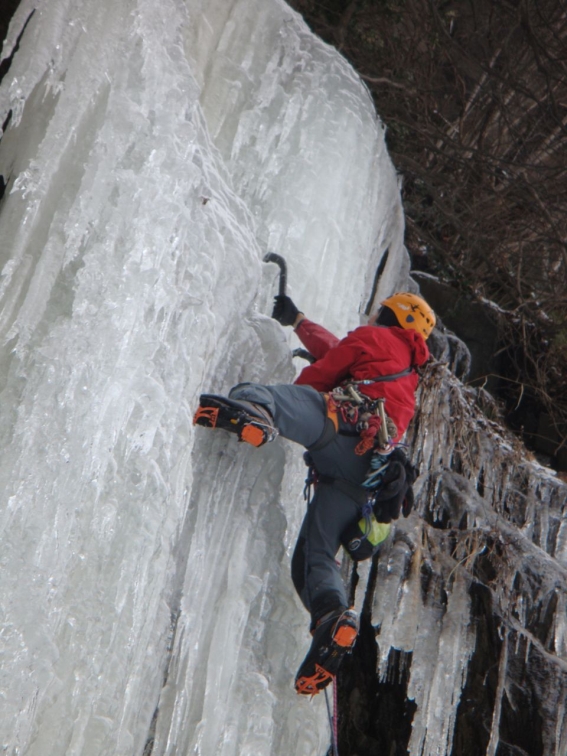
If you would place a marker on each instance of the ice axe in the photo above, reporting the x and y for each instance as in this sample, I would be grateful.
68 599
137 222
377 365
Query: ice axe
281 263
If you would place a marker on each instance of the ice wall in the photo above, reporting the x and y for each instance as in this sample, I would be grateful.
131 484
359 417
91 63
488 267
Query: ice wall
153 153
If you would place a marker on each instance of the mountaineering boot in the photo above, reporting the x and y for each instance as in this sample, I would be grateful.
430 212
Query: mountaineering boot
251 422
333 637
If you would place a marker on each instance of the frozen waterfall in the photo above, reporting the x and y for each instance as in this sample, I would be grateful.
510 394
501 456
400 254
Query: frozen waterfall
153 153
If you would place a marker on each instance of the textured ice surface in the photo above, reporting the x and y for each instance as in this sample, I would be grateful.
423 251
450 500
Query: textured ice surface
155 152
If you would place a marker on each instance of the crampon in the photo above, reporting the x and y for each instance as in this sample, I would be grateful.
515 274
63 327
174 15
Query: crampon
251 423
333 638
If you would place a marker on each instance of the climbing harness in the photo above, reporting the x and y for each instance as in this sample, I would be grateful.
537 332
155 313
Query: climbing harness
366 415
369 417
368 420
376 429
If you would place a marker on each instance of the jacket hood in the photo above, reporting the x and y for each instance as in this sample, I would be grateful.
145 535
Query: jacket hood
416 342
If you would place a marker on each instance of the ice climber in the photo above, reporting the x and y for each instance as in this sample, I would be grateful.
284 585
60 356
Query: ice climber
349 409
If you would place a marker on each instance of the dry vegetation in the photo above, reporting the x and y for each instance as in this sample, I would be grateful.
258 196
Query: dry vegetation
474 97
489 526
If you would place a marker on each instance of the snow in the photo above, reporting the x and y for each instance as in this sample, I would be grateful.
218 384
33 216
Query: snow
155 152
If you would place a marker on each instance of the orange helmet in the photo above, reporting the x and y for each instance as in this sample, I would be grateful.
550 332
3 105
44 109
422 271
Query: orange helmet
412 312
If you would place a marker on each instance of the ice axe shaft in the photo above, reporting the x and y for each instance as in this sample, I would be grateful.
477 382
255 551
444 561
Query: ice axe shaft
281 263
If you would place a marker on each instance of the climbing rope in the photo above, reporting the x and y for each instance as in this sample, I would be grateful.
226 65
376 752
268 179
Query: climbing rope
333 719
336 714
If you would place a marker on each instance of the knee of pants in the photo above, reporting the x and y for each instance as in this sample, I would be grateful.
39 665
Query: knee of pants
298 411
254 392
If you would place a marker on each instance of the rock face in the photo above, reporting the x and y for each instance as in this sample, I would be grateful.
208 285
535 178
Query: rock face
472 323
468 600
477 327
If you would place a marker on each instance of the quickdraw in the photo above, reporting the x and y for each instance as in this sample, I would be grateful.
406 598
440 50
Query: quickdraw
368 416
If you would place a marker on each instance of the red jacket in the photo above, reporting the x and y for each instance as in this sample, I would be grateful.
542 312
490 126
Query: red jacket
366 352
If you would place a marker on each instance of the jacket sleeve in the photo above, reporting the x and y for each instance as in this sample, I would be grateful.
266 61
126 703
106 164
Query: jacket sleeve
330 370
316 339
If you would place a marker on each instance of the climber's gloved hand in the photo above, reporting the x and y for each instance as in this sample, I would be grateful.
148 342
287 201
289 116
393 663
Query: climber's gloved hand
285 312
395 494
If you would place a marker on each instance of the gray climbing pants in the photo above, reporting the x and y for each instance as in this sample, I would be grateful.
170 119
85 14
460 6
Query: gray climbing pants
300 415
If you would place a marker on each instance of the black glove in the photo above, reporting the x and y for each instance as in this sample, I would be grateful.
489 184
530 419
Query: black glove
395 494
285 312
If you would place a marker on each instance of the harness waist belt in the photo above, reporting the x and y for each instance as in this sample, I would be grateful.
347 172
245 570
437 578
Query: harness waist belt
383 378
